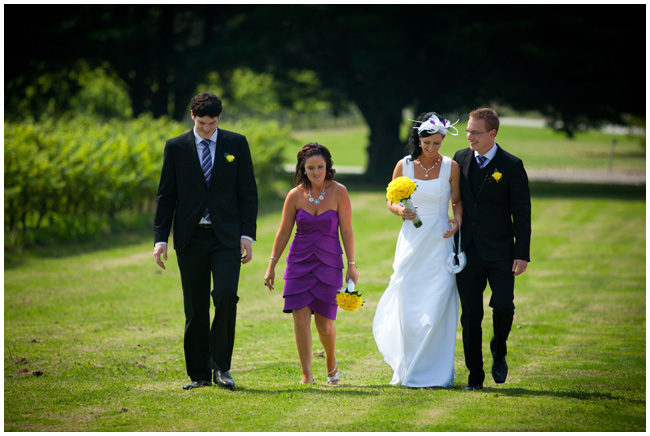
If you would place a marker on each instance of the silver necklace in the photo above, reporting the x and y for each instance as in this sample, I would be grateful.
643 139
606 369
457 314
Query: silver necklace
426 171
320 197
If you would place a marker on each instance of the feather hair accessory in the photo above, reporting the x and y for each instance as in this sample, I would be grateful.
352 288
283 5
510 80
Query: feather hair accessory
436 125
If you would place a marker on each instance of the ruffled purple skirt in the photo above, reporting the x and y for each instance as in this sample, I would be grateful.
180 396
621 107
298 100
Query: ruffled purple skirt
314 272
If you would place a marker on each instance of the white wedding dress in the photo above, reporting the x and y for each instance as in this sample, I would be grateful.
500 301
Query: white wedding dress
416 318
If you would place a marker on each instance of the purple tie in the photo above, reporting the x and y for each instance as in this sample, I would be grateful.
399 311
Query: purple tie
480 160
206 164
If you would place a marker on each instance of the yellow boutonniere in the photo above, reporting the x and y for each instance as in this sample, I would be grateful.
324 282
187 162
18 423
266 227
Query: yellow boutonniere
496 175
229 157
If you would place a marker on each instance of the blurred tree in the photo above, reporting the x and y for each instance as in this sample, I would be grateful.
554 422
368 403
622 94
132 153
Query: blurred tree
100 93
160 52
359 52
579 65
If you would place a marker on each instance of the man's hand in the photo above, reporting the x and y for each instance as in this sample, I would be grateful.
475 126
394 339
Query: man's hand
246 250
454 228
157 251
519 267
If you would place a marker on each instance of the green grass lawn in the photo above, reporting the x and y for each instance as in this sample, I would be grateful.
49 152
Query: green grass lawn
93 340
347 145
539 148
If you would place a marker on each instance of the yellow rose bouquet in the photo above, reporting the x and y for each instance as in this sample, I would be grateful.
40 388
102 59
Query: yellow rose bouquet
349 299
399 191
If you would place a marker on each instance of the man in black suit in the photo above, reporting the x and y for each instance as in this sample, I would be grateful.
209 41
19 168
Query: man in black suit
496 240
207 188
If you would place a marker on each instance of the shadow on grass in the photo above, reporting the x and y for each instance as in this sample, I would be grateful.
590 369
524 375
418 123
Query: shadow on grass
376 390
587 190
578 395
358 391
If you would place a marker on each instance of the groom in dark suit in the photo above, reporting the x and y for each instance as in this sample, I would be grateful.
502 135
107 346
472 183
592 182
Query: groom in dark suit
207 188
496 240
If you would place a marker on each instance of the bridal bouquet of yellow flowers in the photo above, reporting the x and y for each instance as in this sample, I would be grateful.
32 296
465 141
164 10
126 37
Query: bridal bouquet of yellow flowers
349 299
399 191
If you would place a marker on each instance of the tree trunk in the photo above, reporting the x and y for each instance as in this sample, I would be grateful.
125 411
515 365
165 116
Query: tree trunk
136 91
160 97
385 147
182 96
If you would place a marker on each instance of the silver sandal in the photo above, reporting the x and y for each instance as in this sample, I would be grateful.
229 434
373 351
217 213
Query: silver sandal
333 380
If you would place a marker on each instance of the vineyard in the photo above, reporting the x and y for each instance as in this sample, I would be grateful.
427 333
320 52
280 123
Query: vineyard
64 174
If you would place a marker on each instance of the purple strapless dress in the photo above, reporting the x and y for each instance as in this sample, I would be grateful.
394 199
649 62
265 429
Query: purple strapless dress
314 272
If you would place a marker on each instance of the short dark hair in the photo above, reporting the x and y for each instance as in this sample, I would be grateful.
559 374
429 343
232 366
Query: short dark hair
309 150
206 104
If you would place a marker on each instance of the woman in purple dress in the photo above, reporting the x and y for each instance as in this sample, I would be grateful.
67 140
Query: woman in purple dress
320 208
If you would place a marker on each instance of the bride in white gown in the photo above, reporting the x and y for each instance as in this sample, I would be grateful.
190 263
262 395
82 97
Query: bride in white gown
416 319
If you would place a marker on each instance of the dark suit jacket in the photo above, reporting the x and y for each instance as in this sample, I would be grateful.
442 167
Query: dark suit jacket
497 218
183 193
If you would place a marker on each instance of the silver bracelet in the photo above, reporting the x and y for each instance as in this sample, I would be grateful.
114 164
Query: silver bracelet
274 258
352 263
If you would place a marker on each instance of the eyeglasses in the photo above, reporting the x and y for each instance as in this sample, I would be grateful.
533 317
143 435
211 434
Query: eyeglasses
474 132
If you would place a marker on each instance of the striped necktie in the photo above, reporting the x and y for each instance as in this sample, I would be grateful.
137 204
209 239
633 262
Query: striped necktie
480 160
206 164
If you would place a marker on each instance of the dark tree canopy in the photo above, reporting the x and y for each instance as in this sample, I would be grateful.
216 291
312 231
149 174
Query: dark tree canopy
578 64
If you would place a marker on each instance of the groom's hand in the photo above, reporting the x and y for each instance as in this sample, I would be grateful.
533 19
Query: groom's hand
246 250
159 250
454 228
519 267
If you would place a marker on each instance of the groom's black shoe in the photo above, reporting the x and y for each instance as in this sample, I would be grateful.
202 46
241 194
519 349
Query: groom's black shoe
197 384
224 380
473 387
499 370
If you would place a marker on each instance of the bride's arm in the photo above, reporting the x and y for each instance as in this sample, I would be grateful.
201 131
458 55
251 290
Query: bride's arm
456 202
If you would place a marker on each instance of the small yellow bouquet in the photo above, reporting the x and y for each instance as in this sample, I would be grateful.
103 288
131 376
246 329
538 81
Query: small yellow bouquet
399 191
349 299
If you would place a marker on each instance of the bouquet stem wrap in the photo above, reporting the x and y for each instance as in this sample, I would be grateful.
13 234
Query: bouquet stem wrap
408 204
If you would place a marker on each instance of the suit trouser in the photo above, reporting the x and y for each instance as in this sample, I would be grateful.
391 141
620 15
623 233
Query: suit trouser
471 284
209 348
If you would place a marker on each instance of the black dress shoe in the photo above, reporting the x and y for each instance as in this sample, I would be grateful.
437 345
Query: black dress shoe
499 370
197 384
224 380
473 387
